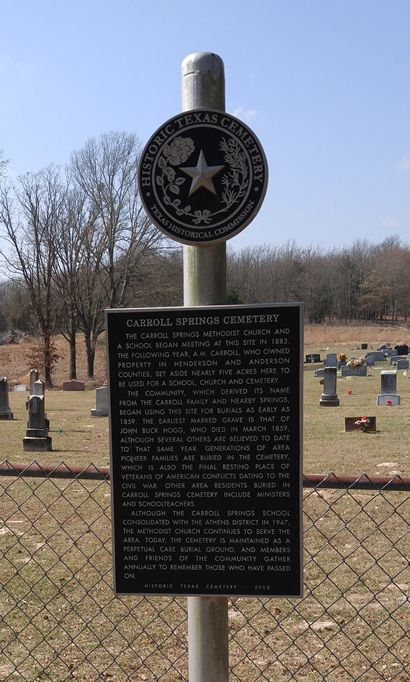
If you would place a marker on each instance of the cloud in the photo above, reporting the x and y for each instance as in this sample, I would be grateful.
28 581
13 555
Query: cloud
245 114
390 223
404 164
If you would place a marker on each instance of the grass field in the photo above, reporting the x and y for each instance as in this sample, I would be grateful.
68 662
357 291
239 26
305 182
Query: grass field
61 621
80 439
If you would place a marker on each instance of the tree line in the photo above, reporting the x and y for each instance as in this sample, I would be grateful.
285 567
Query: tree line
76 240
369 282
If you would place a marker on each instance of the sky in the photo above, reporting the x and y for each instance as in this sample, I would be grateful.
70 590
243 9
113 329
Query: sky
325 86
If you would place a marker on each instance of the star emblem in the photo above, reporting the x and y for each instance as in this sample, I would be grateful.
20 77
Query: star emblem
202 174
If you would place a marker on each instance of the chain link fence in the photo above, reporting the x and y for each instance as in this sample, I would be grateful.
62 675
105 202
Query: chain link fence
61 621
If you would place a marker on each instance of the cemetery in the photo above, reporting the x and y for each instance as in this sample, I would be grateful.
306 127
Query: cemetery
352 435
185 452
69 411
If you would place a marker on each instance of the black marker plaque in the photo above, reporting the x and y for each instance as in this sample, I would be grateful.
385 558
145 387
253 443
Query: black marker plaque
202 176
206 449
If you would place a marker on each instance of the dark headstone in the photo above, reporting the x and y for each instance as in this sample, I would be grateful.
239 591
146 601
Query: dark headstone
348 371
313 357
388 381
351 425
73 385
378 355
33 377
5 412
37 438
393 359
401 349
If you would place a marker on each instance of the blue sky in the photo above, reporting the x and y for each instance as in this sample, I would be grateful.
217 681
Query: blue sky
324 85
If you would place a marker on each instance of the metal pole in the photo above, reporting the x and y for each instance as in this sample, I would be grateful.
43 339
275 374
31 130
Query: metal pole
203 87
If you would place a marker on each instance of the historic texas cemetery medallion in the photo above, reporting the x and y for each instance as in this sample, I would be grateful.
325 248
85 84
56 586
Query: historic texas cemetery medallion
202 176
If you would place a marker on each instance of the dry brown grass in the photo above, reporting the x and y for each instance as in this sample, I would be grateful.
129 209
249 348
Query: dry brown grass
81 439
373 334
15 359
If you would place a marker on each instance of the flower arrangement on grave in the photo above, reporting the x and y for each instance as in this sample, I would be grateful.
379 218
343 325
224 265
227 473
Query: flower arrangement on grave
402 348
356 362
389 402
362 424
342 357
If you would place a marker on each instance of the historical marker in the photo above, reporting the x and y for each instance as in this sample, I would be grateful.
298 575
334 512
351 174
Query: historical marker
202 176
206 449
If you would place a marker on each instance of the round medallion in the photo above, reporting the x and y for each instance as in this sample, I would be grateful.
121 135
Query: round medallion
202 176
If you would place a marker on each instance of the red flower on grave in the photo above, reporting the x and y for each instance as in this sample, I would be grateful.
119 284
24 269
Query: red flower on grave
362 423
350 391
389 402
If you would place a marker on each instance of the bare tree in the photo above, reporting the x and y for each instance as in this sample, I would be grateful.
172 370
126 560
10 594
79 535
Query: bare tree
29 213
160 280
106 171
72 257
15 308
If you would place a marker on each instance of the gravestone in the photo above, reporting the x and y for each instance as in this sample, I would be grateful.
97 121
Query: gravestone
33 377
389 352
330 360
350 424
348 371
329 396
388 381
5 411
73 385
388 399
320 372
39 388
402 363
370 361
393 359
313 357
378 355
101 402
388 388
19 388
37 438
402 350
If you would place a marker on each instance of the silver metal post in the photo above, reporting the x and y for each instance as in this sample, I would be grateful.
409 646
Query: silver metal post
203 87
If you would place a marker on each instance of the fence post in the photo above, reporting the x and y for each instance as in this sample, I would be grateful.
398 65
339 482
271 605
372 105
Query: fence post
203 87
